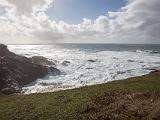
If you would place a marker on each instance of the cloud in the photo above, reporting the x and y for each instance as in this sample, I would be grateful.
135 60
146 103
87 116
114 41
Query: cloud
139 16
28 7
26 21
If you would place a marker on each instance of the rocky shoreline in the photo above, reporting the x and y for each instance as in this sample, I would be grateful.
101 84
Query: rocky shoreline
136 98
17 71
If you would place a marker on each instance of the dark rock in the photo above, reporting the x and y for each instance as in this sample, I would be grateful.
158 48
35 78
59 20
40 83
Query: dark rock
54 71
121 72
92 61
4 50
66 63
155 71
130 61
45 62
141 61
17 71
89 68
42 61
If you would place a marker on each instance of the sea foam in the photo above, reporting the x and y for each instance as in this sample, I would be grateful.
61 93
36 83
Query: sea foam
87 66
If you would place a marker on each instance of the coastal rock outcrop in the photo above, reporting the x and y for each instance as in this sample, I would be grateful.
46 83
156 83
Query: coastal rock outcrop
47 63
42 61
66 63
17 71
92 61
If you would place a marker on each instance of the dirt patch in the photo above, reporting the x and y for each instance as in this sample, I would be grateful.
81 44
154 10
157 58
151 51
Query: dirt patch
123 106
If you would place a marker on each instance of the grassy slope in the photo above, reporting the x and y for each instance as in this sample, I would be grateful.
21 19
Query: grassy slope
71 104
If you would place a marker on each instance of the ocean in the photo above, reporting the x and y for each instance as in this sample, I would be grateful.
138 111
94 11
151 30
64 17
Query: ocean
89 64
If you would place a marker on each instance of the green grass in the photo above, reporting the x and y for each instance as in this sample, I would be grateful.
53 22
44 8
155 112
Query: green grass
65 105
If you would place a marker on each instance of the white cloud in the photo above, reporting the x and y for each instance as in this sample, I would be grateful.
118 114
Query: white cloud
101 24
28 7
26 21
141 16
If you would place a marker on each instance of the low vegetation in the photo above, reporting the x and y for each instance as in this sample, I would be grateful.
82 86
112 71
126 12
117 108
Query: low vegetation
136 98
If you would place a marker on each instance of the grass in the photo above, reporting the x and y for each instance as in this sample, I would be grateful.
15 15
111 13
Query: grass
133 98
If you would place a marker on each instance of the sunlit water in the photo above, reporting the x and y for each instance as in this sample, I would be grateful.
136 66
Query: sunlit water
111 62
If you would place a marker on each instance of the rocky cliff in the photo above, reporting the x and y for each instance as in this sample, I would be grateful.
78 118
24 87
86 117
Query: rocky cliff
17 71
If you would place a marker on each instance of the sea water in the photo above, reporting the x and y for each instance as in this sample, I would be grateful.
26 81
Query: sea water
89 64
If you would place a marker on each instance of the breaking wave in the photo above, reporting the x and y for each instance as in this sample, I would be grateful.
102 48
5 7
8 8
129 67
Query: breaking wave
81 67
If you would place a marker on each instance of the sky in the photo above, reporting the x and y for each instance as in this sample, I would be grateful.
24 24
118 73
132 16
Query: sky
79 21
73 11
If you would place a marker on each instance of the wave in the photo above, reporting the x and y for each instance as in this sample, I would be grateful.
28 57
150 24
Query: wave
147 51
82 67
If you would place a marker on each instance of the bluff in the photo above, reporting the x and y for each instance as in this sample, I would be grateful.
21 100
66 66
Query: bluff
17 71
